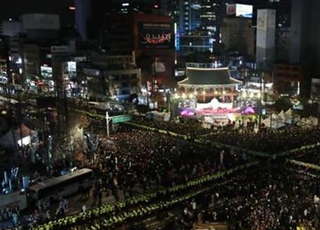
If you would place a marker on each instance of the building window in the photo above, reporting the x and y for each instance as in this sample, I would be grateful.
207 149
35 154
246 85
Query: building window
124 84
124 77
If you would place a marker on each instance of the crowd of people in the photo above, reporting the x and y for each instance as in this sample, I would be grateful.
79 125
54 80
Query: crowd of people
149 160
265 201
190 127
270 142
259 201
10 213
137 161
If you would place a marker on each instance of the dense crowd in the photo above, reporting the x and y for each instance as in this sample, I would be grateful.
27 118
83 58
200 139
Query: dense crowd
270 141
266 141
149 160
279 199
136 161
312 156
183 126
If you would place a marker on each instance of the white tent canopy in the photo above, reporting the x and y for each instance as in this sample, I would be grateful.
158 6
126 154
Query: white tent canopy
286 118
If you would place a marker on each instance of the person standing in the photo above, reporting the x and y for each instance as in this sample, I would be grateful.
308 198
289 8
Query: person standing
15 219
84 208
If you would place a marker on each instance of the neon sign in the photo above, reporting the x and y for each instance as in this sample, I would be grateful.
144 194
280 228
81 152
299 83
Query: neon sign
155 35
156 39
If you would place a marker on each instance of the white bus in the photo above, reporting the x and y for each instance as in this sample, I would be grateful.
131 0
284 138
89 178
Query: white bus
68 184
14 199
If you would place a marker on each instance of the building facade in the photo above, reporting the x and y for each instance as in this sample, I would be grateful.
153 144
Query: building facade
265 41
287 78
237 34
199 24
151 38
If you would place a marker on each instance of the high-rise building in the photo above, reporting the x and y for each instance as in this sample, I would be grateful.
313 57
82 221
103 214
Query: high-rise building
150 37
202 15
282 7
237 34
305 40
199 24
283 22
305 34
100 11
265 43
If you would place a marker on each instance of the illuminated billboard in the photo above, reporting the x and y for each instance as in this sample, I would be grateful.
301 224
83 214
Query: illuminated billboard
231 9
155 35
240 10
46 72
244 11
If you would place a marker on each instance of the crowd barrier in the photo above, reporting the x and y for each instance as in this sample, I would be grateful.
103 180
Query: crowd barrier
142 200
304 164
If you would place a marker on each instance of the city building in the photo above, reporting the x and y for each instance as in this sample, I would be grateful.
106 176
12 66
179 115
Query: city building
40 26
287 78
151 38
265 42
305 34
282 24
30 60
10 28
100 10
199 24
119 74
237 34
282 7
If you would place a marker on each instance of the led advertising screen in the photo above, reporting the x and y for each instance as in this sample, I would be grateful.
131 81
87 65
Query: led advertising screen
244 11
155 35
240 10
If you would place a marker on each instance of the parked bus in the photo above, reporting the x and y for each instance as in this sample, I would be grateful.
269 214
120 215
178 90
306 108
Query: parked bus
68 184
14 199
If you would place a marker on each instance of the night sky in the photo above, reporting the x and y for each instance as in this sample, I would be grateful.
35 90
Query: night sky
14 8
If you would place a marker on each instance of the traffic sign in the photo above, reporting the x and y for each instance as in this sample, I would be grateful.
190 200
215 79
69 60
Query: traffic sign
121 118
